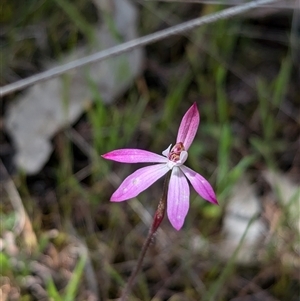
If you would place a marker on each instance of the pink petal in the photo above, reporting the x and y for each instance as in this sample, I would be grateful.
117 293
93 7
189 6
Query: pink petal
201 185
188 127
129 155
138 182
178 198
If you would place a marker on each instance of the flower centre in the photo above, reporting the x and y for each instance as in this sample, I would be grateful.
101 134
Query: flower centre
175 152
176 156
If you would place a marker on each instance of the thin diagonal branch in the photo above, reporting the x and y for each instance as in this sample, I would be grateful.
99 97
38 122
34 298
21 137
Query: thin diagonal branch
127 46
285 4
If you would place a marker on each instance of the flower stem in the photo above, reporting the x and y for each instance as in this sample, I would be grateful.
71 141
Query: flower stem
158 218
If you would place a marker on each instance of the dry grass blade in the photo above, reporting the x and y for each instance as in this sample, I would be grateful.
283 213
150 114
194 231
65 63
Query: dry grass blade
22 223
287 4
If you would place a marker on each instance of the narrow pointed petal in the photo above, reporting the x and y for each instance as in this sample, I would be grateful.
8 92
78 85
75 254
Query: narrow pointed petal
178 198
188 127
200 184
138 181
133 155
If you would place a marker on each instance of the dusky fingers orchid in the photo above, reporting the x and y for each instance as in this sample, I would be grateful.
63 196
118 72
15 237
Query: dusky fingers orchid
173 159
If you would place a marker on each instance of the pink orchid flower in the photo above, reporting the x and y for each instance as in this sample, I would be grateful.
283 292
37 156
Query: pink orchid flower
173 159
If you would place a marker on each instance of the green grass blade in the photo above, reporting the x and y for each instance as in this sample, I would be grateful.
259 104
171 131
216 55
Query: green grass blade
225 145
73 285
222 101
52 291
227 270
281 82
77 18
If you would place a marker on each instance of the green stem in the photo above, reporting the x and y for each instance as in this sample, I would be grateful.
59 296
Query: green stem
158 218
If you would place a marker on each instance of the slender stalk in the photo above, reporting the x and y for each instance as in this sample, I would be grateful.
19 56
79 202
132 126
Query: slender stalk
158 218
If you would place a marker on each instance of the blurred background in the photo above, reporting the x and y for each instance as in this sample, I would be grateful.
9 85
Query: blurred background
62 239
